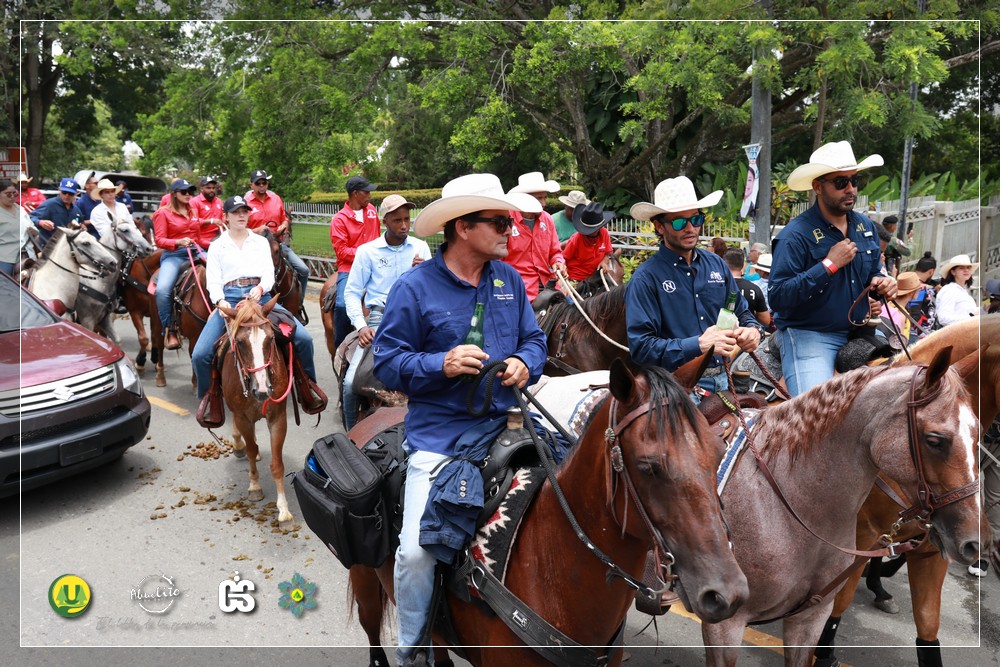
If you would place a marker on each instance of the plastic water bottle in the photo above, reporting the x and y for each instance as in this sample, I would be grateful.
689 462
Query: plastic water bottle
727 315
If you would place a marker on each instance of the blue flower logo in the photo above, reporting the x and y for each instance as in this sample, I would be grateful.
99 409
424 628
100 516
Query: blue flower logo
297 595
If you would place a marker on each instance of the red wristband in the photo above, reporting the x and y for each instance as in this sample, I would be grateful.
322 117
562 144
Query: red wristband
831 267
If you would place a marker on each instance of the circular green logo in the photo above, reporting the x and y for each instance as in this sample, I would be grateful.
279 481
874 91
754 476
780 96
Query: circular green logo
297 595
69 596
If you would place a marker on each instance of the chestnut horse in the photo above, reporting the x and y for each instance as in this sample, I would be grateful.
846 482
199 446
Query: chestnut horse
589 340
327 300
191 293
256 384
666 455
824 450
286 282
140 304
926 570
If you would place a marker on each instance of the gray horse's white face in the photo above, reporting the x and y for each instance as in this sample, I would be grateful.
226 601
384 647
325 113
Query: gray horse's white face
129 238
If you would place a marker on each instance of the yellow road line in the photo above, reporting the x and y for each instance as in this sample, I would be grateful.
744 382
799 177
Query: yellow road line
167 405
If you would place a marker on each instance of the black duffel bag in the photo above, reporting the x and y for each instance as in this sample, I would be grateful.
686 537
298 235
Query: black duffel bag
340 494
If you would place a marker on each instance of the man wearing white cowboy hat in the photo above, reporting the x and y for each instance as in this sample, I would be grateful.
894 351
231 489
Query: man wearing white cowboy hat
533 247
674 298
826 258
419 350
109 211
28 198
564 218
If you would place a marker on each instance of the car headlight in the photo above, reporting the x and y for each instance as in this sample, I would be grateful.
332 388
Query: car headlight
130 379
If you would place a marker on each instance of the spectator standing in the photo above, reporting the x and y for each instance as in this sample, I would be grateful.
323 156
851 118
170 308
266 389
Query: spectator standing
268 211
354 224
750 271
123 196
923 306
897 249
718 246
419 350
993 306
59 211
207 204
28 198
564 218
750 291
907 285
533 247
87 202
14 224
377 266
763 268
954 302
673 299
827 256
109 211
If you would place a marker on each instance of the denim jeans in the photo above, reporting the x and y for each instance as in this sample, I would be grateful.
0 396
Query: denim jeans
714 384
414 574
204 349
808 357
300 269
341 322
171 263
7 267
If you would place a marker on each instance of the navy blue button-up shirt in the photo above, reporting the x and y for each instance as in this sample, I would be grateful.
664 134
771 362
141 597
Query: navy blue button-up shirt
669 304
53 209
802 294
428 312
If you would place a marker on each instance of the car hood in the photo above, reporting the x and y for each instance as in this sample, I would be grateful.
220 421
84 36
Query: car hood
54 352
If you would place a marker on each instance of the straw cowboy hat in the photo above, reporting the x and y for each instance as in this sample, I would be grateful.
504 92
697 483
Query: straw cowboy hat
573 199
23 178
907 283
589 218
533 182
672 196
468 194
958 260
106 184
828 158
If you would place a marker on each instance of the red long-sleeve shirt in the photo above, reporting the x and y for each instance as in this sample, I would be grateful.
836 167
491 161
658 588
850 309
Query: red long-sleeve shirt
263 211
169 226
584 254
346 234
207 210
533 251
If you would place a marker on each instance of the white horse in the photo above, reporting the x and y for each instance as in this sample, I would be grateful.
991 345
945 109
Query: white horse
69 254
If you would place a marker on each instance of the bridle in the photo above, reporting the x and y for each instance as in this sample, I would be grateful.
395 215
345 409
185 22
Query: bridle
245 372
76 250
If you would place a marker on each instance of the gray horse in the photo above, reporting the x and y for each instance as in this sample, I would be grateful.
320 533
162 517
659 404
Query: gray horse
69 254
824 450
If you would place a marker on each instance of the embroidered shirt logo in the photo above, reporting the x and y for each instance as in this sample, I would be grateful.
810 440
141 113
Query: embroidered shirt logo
818 235
715 277
669 287
513 231
497 282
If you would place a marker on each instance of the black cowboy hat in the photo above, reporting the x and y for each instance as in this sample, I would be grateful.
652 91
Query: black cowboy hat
588 218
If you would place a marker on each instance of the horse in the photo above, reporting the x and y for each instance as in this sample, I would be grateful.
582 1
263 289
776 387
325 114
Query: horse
255 384
286 281
69 254
193 308
136 276
327 301
586 335
926 571
664 453
824 450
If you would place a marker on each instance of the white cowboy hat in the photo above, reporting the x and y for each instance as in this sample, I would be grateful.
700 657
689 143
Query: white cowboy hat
23 178
574 198
763 263
671 196
106 184
468 194
834 156
533 182
958 260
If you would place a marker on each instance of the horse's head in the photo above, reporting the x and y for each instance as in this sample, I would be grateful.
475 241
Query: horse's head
128 239
671 457
251 339
89 252
928 446
273 241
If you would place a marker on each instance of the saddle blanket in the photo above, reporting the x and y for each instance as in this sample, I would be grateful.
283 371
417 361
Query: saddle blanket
494 539
733 449
572 400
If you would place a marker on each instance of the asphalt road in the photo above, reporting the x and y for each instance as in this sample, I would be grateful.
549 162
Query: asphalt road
162 510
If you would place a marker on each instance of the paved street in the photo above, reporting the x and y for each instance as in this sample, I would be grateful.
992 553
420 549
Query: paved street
175 505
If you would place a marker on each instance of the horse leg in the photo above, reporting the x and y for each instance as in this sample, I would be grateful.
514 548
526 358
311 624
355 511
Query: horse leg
367 592
246 427
873 581
278 427
140 329
926 576
801 633
824 649
722 642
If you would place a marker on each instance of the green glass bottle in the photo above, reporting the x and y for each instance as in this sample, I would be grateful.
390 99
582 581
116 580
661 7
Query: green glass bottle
475 335
727 316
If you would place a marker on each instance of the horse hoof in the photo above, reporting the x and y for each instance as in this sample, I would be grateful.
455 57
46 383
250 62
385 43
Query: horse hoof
888 606
240 453
255 494
140 369
286 524
161 382
827 662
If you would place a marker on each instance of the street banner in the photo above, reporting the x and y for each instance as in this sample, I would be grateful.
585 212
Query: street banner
753 175
12 162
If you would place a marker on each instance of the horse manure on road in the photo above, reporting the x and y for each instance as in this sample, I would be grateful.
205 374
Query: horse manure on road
207 450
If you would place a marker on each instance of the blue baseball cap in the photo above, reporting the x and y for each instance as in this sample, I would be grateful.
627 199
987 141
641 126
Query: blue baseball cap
70 186
180 185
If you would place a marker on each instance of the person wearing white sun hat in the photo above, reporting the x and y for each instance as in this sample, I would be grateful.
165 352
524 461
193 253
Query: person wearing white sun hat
419 349
954 303
827 256
674 298
533 246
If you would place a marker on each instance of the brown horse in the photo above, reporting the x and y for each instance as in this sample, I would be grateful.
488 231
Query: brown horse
926 570
191 295
824 449
327 301
141 304
668 457
256 384
589 340
286 282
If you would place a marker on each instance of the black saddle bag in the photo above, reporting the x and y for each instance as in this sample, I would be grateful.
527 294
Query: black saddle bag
340 494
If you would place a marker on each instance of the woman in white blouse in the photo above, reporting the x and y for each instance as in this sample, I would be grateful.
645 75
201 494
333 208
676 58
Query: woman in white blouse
108 211
954 302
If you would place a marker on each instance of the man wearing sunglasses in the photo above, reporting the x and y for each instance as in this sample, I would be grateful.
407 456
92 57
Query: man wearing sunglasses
674 298
826 258
59 211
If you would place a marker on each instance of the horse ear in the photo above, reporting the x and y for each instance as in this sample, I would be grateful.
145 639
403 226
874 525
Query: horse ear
689 374
618 252
968 365
269 306
621 381
938 367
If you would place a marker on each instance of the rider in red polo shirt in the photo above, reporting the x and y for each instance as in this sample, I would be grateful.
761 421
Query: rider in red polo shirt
207 205
354 224
267 207
591 243
533 246
28 198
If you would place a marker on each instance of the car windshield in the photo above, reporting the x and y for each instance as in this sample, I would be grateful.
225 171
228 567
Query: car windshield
29 315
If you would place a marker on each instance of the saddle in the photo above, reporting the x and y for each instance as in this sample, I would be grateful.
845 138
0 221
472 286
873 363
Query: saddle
744 366
365 383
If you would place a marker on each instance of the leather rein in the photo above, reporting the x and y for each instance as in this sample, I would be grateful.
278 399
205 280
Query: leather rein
244 372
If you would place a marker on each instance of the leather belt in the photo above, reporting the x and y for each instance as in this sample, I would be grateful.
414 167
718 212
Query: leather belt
243 282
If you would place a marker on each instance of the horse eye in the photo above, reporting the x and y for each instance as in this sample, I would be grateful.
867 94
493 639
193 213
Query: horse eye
935 440
650 467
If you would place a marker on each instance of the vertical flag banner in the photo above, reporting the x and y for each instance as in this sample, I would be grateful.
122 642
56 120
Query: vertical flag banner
753 175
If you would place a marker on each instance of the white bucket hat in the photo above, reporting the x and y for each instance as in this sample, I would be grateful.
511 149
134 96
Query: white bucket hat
764 263
828 158
958 260
533 181
671 196
468 194
573 199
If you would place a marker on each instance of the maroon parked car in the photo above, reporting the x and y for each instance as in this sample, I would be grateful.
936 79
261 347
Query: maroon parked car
70 400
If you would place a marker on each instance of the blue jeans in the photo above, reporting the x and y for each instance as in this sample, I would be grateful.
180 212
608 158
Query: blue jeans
341 322
300 268
7 267
204 349
171 262
714 384
808 357
414 573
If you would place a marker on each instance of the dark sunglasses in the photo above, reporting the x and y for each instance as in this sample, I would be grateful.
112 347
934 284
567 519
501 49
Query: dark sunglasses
261 182
696 220
840 182
500 223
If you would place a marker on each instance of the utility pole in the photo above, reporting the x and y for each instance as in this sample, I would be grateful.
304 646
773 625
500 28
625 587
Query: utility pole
904 181
760 133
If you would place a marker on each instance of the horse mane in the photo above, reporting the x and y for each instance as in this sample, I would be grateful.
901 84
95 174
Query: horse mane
50 246
602 307
795 425
671 401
